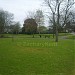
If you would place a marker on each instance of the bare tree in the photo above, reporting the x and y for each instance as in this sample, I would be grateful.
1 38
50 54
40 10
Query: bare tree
67 12
54 6
39 18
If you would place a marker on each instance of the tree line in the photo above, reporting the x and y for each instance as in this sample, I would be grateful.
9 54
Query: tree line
60 14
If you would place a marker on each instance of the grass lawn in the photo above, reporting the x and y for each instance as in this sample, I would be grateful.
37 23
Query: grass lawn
37 56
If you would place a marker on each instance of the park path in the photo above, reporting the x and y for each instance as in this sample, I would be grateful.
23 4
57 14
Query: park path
73 33
65 36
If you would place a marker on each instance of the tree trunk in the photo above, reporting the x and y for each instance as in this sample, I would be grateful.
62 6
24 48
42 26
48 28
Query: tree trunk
53 24
57 21
12 37
33 35
53 35
56 39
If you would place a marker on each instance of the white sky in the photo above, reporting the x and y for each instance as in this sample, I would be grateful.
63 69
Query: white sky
20 8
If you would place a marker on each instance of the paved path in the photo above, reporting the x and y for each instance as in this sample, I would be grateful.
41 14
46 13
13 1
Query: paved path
73 33
65 37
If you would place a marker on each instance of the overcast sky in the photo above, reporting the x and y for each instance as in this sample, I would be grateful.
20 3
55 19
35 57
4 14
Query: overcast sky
20 8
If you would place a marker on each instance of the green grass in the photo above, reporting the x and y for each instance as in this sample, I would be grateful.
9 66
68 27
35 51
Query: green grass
64 34
36 56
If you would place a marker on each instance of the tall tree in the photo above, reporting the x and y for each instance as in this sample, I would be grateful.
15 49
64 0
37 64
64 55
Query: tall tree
30 26
67 12
2 21
54 6
39 18
15 28
5 20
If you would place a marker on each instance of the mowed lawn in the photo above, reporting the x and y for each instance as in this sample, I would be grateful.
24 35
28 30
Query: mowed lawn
36 56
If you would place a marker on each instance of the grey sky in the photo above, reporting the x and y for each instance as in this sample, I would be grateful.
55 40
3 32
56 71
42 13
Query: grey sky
20 7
